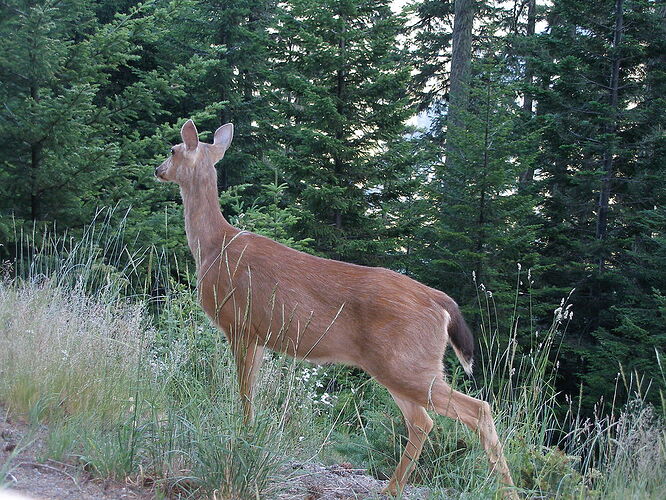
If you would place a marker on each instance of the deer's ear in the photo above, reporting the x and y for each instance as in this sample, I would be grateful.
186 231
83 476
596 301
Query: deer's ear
223 136
188 133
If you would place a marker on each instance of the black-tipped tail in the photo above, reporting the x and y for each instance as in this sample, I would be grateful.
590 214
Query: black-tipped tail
461 338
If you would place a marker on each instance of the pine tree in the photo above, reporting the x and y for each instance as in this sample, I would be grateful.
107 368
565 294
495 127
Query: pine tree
430 51
602 181
212 66
484 225
233 41
481 224
341 84
59 122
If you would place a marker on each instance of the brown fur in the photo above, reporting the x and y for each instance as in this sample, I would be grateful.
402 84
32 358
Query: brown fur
264 294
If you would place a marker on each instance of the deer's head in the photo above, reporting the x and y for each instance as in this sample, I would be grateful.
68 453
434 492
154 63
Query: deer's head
192 159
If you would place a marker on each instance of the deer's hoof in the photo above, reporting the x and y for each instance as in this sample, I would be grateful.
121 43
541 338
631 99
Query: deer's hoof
391 489
510 494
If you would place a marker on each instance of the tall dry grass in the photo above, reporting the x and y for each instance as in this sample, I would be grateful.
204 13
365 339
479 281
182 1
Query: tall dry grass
67 352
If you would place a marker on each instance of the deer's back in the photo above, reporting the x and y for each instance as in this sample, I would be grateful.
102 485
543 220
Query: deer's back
322 309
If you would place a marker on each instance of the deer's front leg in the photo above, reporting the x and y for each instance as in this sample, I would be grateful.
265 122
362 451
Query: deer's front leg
248 361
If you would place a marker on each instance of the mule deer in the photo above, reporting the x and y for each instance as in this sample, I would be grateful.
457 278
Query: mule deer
265 295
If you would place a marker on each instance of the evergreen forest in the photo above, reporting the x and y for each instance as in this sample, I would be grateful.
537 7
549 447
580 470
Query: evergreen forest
509 153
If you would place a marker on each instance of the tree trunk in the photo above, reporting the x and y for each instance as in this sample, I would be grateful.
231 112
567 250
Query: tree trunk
461 58
528 100
35 160
339 133
609 131
481 221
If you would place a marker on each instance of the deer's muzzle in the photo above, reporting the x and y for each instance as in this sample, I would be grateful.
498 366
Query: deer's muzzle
159 173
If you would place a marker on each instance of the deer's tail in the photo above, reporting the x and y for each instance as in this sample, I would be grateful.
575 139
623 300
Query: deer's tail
461 338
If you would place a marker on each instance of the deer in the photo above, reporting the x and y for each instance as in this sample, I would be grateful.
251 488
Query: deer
265 295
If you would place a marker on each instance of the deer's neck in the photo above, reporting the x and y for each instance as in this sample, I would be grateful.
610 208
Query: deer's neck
205 226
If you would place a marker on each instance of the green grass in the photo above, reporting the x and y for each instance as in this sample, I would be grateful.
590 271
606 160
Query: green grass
137 386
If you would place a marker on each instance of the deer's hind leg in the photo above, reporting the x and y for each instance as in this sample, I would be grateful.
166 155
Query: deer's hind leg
426 388
419 424
476 415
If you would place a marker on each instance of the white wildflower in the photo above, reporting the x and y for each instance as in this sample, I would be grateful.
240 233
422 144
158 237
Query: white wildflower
326 399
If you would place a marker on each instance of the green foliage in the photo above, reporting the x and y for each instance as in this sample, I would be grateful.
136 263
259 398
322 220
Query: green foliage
93 94
58 118
551 470
479 223
267 215
340 84
593 141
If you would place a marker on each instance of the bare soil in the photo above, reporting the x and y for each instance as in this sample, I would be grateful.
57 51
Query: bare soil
20 448
312 481
29 477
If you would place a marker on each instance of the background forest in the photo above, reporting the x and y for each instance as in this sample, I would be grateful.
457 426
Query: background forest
509 153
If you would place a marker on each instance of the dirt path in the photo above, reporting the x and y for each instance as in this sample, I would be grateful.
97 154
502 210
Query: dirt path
314 481
20 449
29 478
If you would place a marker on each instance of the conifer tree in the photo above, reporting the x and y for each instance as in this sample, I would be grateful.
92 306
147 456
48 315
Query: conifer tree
231 42
482 225
340 81
485 227
58 122
213 65
602 179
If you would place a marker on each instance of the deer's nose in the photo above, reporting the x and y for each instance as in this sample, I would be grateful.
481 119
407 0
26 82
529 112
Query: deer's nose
159 171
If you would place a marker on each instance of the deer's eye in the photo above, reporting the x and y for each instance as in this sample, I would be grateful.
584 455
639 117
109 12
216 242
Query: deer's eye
173 151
